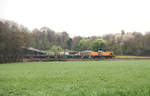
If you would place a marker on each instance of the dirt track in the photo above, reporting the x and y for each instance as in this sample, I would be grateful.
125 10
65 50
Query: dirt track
113 59
147 58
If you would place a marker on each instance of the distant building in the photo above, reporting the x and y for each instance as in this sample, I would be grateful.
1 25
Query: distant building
124 37
32 52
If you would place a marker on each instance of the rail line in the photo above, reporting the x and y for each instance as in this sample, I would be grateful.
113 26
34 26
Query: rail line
79 59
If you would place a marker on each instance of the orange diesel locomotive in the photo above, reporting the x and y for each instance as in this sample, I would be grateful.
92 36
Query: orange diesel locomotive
102 54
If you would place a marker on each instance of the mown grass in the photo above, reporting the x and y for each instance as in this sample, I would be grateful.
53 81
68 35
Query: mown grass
86 78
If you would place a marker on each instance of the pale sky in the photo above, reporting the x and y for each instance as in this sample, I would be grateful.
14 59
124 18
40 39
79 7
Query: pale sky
80 17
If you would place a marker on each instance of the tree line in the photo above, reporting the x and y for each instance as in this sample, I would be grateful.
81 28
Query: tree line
14 36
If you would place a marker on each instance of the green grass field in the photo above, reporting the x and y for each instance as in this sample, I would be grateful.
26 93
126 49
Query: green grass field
86 78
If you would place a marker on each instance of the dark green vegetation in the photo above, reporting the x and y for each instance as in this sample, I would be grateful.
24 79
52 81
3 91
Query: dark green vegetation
92 78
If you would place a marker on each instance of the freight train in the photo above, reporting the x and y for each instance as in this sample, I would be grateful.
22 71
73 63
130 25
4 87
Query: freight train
73 54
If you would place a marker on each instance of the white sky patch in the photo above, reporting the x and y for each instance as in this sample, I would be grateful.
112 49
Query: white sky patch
79 17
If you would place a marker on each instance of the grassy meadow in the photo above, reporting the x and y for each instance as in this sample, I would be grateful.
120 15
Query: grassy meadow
85 78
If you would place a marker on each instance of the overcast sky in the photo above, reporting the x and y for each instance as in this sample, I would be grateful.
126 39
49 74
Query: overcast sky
80 17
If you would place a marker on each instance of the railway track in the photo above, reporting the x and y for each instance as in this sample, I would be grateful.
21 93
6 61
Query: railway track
79 59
